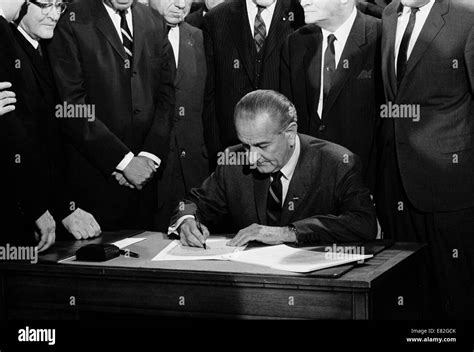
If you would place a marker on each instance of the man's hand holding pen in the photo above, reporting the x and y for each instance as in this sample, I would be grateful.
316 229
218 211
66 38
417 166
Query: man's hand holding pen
193 233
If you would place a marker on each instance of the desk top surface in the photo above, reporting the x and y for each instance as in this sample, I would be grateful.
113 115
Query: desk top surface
355 276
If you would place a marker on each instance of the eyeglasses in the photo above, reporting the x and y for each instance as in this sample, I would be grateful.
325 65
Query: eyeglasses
46 7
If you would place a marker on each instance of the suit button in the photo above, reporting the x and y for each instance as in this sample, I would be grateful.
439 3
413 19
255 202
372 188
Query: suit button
259 61
322 128
183 153
136 111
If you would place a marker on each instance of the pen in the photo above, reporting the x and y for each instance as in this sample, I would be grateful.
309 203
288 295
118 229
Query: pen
198 223
128 253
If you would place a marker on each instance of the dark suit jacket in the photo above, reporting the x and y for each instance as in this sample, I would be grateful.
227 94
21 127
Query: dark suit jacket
352 109
435 154
30 150
231 59
326 199
188 155
134 106
196 18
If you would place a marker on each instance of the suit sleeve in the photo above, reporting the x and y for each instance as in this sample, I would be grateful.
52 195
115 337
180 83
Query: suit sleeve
209 200
356 220
158 139
211 128
93 139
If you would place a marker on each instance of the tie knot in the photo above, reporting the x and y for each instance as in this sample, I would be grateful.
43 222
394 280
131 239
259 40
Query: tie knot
414 10
331 39
276 176
260 9
123 13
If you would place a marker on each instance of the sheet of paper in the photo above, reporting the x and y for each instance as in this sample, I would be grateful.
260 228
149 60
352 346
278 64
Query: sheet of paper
127 242
217 249
287 258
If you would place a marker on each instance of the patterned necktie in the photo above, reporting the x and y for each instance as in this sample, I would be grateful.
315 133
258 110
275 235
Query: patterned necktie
403 52
260 31
329 66
274 200
126 36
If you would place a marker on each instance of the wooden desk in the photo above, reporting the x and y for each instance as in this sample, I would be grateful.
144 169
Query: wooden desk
388 286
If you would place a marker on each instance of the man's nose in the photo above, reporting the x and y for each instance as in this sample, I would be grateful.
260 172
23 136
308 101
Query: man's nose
181 4
254 155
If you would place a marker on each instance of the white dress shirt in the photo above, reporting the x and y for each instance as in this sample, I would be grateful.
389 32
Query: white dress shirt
116 20
173 37
2 14
266 14
341 34
402 25
288 170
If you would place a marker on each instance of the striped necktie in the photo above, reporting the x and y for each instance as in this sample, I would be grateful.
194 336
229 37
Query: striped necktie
127 37
260 31
274 200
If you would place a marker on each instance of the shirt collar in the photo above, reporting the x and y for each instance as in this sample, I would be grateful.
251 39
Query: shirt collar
342 33
2 13
407 9
289 169
111 10
251 4
32 41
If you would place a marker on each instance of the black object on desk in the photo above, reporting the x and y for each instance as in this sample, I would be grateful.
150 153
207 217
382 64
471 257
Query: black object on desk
101 253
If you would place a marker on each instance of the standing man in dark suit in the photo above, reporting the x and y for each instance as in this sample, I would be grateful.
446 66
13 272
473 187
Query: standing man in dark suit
243 40
112 57
331 71
293 189
426 188
187 165
38 185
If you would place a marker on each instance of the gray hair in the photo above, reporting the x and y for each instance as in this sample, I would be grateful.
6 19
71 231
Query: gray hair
275 104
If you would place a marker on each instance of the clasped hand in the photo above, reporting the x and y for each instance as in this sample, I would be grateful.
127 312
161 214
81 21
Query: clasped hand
137 174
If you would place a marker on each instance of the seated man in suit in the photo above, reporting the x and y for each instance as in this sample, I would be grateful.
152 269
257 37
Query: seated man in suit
330 70
7 98
294 188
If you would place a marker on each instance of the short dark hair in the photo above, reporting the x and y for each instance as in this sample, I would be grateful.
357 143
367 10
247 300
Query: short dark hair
276 105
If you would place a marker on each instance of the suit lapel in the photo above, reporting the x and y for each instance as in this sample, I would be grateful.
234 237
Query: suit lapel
351 52
312 68
245 43
277 28
261 183
431 28
388 52
186 59
38 63
299 186
105 25
139 34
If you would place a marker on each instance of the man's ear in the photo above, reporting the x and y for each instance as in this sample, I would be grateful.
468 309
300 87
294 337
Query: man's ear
291 131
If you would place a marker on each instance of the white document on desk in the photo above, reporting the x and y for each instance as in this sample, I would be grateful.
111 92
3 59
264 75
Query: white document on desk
282 257
217 249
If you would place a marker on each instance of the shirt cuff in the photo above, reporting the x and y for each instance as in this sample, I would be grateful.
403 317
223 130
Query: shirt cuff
173 229
125 161
152 157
